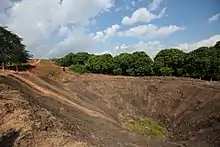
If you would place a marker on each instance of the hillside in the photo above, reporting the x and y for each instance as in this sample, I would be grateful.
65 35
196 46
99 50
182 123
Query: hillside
65 109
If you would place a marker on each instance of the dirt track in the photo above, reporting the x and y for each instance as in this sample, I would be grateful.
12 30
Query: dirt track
89 110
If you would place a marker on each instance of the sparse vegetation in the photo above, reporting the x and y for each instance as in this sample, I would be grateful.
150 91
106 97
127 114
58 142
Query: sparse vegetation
146 127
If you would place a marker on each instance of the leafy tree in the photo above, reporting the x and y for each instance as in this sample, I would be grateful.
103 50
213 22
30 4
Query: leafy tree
74 59
123 63
79 68
135 64
203 62
11 48
166 71
81 58
217 45
5 45
19 55
197 62
171 58
117 71
67 60
101 64
142 64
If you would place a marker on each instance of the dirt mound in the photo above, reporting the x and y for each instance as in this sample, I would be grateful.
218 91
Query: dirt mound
45 67
61 113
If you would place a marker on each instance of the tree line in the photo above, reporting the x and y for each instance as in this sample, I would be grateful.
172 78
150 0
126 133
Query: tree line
203 63
12 51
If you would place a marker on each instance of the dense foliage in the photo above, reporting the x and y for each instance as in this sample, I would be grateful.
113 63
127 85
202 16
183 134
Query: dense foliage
169 62
12 51
203 63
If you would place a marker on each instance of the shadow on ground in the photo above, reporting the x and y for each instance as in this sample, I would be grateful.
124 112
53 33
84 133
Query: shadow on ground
8 139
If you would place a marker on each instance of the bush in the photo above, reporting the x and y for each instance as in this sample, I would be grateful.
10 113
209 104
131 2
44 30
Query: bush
166 71
79 68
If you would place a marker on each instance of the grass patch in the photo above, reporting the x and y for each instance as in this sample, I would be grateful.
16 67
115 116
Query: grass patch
146 127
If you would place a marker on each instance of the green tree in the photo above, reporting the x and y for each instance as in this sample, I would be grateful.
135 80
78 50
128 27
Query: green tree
135 64
74 59
166 71
101 64
81 58
123 63
67 60
142 64
5 46
19 55
170 58
203 62
11 48
197 62
79 68
217 45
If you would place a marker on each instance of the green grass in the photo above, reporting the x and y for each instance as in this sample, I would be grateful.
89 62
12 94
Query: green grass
146 127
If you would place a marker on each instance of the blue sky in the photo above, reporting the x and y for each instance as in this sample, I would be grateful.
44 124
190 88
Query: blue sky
50 28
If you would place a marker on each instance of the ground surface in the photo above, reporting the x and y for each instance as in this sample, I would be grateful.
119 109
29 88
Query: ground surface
46 107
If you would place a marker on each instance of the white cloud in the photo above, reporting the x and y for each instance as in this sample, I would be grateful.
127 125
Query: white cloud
151 47
151 31
5 4
73 43
128 8
106 34
3 19
39 22
101 53
214 18
187 47
118 9
154 5
64 30
142 15
133 3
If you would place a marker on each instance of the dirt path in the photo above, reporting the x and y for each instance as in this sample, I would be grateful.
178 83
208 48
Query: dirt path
36 62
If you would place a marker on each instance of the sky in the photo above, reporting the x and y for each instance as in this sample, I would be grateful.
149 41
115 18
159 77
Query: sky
53 28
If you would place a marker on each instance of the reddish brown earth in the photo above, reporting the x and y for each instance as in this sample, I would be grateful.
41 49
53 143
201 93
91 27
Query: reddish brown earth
63 109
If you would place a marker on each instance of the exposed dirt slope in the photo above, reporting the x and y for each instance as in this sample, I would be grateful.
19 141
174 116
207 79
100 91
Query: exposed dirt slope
45 67
189 109
25 123
90 110
94 130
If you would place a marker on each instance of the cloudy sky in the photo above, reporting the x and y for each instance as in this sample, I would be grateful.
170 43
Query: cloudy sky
53 28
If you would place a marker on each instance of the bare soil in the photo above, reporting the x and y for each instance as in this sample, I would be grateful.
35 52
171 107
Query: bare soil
90 110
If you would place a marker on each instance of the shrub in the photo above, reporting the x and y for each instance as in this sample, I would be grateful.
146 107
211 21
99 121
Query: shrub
78 68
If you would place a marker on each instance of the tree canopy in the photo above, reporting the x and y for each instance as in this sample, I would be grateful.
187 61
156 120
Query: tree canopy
203 62
11 48
169 62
